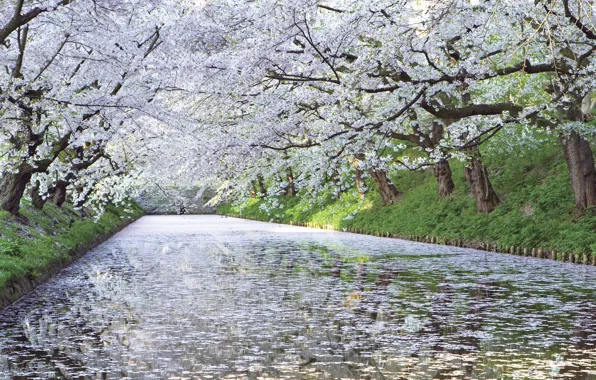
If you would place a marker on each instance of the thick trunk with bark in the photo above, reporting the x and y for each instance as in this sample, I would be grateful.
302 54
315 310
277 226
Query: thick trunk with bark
444 179
13 185
389 192
480 186
60 193
582 172
12 188
36 199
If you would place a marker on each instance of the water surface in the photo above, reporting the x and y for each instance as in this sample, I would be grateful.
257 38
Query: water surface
201 297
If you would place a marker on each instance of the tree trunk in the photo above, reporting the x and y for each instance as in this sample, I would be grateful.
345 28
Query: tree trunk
336 179
253 190
480 186
444 180
36 199
12 188
291 190
360 183
582 173
358 175
262 187
389 192
60 193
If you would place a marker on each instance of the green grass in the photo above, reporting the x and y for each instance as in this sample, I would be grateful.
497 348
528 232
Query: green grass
533 183
39 240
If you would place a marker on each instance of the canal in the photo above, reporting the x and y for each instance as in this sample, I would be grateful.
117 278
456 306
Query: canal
200 297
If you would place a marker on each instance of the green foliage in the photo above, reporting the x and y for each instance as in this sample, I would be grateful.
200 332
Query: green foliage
533 183
9 248
50 237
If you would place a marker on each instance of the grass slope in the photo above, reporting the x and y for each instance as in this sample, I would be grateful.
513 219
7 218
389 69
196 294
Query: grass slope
533 183
36 242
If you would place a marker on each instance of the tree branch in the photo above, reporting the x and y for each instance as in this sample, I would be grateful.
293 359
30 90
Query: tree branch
589 33
471 110
327 7
19 19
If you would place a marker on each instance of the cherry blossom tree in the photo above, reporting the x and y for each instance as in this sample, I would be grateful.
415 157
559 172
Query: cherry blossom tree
277 97
337 76
76 75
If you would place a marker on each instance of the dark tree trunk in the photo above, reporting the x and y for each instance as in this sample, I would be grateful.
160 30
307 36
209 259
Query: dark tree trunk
60 193
444 180
13 185
36 199
262 187
336 179
480 186
582 173
389 192
291 189
12 188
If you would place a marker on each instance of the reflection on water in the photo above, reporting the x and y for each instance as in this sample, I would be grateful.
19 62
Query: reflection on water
208 297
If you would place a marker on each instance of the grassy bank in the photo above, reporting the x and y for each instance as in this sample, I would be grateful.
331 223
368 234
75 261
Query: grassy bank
38 243
537 209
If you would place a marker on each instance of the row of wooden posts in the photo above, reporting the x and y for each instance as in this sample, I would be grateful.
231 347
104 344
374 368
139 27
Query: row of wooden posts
577 258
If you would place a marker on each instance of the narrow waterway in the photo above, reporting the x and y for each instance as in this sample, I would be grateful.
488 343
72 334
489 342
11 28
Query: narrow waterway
202 297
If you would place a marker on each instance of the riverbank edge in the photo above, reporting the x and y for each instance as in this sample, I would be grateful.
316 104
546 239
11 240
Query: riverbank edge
535 252
18 288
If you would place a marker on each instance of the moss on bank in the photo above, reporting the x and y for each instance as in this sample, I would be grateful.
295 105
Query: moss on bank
533 183
37 243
